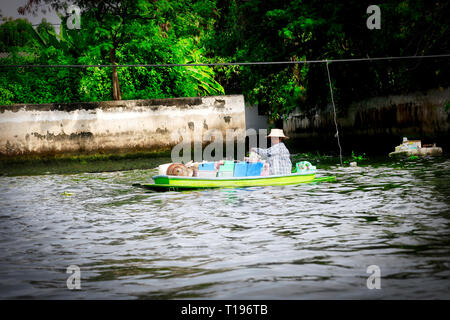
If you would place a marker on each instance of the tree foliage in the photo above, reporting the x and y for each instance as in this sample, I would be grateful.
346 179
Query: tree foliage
200 31
284 30
119 32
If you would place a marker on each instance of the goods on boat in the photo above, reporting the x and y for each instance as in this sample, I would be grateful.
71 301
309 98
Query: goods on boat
303 166
254 169
240 169
226 169
253 157
177 169
223 168
229 174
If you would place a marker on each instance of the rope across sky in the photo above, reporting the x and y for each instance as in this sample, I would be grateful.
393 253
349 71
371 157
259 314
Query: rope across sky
214 64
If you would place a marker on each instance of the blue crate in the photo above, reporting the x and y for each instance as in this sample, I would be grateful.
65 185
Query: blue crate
209 166
240 169
254 169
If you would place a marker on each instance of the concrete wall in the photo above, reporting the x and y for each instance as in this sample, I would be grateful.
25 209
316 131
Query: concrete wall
113 125
377 121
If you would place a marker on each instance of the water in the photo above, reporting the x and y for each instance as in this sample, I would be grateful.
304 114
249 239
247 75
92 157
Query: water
311 241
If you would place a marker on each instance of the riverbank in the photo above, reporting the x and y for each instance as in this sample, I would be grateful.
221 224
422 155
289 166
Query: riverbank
88 163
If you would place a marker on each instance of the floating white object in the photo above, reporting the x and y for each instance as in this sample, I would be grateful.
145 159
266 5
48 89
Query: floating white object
353 164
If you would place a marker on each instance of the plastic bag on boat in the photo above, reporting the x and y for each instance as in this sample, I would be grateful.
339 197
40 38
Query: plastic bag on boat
265 170
253 157
303 166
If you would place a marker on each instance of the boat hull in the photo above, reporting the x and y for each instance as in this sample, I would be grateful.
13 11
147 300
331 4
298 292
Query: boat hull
232 182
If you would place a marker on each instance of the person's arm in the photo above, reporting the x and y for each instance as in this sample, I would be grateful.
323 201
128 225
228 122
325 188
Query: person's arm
268 152
260 151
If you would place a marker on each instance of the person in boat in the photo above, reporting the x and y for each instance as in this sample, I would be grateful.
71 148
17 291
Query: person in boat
277 155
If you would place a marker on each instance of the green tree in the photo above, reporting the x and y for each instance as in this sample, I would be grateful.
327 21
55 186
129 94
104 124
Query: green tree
283 30
16 33
162 31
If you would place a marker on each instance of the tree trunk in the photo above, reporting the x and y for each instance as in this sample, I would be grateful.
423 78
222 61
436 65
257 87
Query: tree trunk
114 77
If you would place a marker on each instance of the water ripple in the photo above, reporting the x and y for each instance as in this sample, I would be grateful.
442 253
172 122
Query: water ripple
285 242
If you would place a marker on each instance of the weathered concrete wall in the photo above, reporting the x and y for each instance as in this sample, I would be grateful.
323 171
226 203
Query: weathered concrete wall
381 120
113 125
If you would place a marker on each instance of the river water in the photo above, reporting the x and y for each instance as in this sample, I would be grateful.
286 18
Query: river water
309 241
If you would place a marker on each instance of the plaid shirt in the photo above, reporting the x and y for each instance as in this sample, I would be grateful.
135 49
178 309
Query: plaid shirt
278 158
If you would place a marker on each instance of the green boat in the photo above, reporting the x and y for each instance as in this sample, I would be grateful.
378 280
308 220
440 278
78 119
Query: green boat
178 183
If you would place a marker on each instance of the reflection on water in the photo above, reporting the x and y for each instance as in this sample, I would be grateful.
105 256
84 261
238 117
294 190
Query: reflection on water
288 242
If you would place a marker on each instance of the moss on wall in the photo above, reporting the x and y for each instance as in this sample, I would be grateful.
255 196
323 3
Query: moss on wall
66 164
